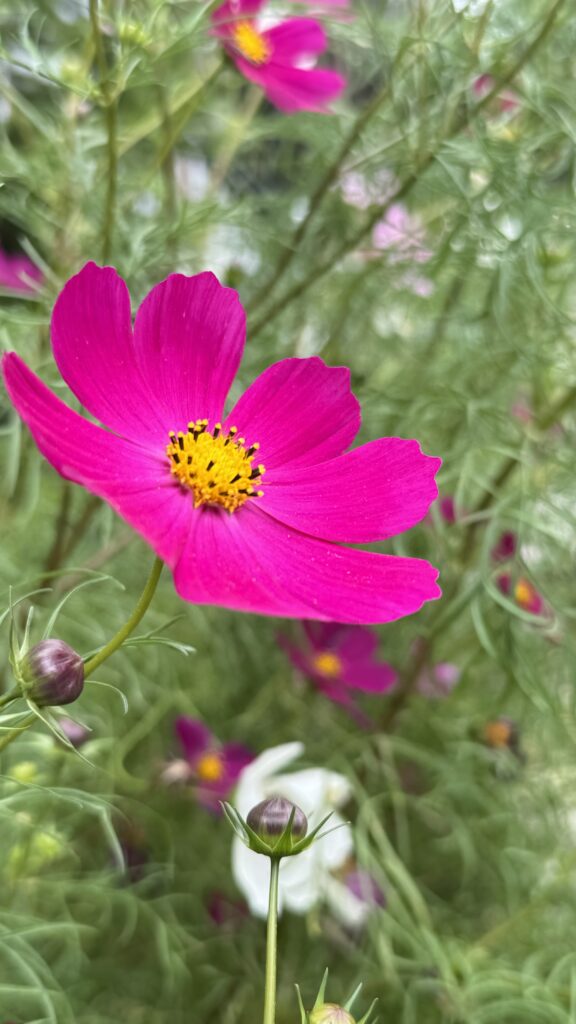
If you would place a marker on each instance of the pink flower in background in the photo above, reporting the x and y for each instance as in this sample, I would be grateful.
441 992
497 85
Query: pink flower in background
447 508
401 232
18 273
340 659
259 537
523 592
439 680
506 547
213 768
506 99
274 58
360 191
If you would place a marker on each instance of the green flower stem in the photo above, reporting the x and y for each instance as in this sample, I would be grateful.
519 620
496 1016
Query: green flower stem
7 698
459 124
271 944
130 625
109 103
14 733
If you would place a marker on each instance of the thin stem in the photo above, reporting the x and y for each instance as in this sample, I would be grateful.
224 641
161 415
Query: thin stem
460 123
324 184
14 733
109 103
271 945
130 625
12 694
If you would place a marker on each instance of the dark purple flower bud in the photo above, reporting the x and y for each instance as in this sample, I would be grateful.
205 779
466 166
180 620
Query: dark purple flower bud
51 674
270 818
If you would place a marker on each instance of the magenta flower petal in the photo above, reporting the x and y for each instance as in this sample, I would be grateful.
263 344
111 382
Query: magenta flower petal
370 677
251 562
293 89
295 38
300 411
18 273
194 736
130 478
93 346
357 643
236 757
189 338
389 483
233 10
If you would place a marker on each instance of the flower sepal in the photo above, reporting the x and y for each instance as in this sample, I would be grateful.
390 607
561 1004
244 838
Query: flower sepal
286 839
332 1013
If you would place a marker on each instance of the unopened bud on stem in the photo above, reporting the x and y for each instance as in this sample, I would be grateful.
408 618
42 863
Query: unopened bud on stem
51 674
330 1013
271 817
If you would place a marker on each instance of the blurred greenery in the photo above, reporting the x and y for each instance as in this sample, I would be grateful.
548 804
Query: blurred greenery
129 141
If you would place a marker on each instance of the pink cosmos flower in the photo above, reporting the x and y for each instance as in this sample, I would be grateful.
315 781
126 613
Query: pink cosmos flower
274 58
258 537
212 767
447 507
523 592
401 232
339 659
18 273
358 190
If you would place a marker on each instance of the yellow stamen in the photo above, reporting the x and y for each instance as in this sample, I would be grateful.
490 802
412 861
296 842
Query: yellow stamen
327 664
216 467
524 593
251 43
497 734
209 767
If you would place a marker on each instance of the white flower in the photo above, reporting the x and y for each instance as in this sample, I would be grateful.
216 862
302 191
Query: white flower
305 877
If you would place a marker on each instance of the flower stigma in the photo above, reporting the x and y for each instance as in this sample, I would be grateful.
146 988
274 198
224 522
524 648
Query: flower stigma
209 767
251 43
327 664
215 466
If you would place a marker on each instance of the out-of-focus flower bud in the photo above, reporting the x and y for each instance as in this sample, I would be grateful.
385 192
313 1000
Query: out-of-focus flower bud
329 1013
51 674
76 733
270 818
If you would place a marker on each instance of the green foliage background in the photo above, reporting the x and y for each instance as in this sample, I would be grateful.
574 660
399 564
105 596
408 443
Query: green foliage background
474 848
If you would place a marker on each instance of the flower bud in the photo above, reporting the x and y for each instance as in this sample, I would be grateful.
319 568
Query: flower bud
51 674
329 1013
271 817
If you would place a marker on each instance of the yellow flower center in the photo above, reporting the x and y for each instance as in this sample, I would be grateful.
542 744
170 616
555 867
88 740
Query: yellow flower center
251 43
209 767
327 664
216 467
497 734
524 593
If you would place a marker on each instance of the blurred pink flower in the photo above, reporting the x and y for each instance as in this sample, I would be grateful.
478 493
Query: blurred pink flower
340 659
447 507
523 592
439 680
506 547
211 767
18 273
226 913
360 191
506 99
273 58
403 233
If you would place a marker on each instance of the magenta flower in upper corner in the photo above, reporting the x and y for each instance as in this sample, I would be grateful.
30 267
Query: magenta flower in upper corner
248 509
211 767
276 58
18 273
340 659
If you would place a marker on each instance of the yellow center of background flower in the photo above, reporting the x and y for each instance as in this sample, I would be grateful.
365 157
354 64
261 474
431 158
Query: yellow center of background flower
327 664
251 43
524 593
497 734
216 467
209 767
